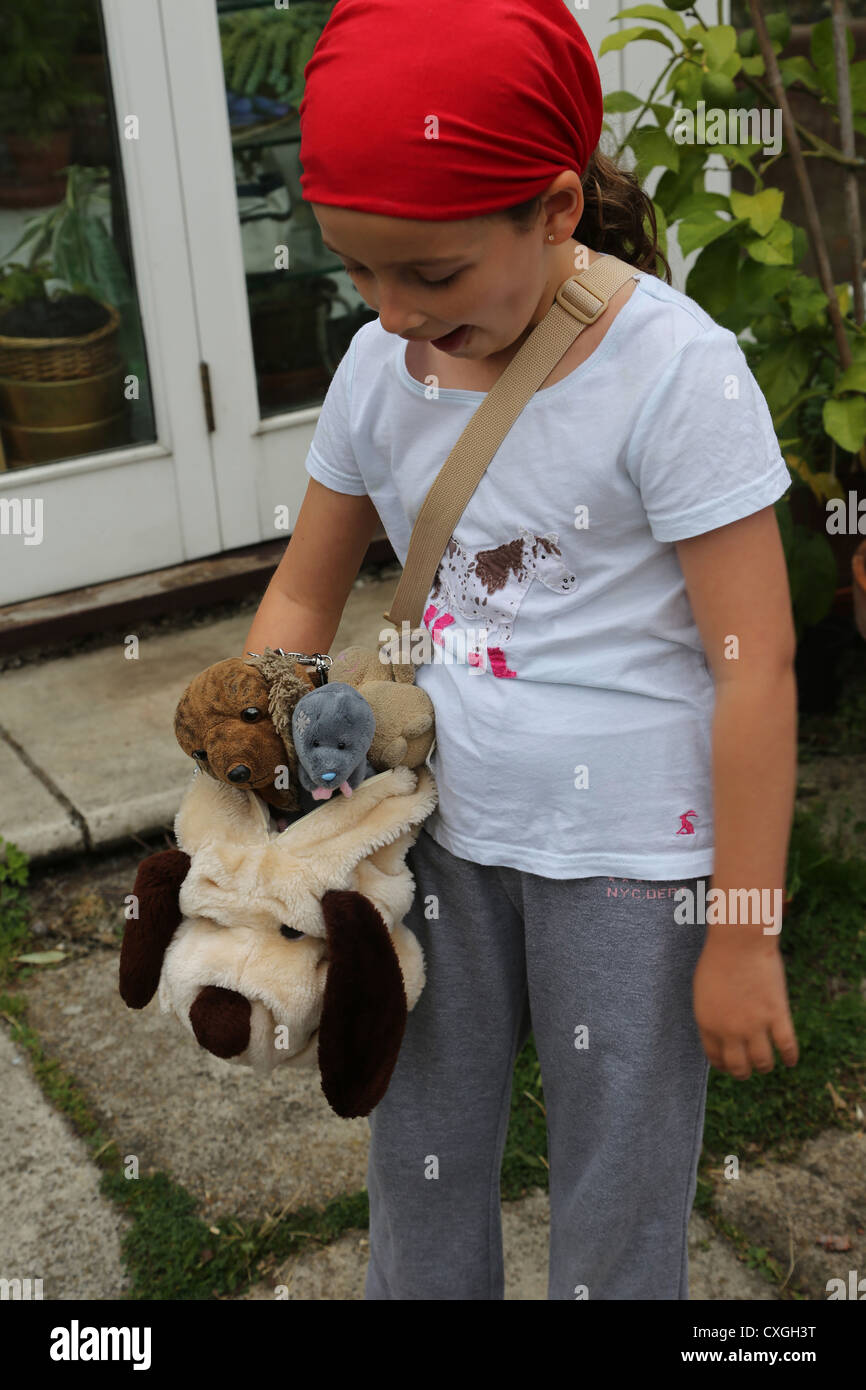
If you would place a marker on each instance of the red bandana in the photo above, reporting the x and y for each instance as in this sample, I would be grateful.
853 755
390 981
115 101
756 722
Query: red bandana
446 109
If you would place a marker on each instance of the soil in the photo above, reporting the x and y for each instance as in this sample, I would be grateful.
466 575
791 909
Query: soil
70 316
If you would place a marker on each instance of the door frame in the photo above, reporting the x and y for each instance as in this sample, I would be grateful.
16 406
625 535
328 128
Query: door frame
129 510
258 462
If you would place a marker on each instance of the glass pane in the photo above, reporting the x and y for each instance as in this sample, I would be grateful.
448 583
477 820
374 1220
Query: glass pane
304 309
73 366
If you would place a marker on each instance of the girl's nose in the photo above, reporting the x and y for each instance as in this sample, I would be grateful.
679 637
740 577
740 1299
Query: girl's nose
395 311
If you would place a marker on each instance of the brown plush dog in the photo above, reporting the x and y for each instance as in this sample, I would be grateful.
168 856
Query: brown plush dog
235 720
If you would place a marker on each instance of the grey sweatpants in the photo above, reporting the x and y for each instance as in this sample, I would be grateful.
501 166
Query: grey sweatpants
604 981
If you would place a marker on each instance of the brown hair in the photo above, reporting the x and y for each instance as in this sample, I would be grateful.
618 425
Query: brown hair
618 216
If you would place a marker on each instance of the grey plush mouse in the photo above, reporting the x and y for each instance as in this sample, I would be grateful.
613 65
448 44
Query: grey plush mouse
332 730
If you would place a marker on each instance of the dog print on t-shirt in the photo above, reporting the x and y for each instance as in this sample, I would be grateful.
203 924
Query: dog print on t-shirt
487 587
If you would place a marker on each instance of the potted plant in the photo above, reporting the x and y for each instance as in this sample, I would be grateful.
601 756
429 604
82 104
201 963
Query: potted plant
61 377
264 54
64 353
39 85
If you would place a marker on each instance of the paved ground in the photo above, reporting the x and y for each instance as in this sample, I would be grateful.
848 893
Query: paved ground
89 761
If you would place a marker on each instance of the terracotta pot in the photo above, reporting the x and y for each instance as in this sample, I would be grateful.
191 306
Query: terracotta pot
858 573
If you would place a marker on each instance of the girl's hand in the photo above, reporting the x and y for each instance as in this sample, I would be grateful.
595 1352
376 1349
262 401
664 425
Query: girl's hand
741 1005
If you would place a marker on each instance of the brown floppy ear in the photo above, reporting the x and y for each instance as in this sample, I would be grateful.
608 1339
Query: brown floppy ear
364 1008
146 939
287 681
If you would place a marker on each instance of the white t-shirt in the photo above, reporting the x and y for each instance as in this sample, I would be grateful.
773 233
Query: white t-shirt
583 746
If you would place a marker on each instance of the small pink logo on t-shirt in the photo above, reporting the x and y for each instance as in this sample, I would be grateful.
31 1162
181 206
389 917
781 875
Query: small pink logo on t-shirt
686 827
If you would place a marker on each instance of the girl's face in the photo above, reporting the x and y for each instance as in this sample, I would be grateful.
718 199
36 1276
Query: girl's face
427 279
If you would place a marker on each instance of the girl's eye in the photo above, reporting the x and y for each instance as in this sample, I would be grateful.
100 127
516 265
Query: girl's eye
446 281
359 270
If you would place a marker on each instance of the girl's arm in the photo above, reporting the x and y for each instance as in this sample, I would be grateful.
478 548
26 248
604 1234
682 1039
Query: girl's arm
303 604
737 583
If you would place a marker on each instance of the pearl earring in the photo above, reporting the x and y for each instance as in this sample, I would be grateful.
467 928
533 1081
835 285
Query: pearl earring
550 236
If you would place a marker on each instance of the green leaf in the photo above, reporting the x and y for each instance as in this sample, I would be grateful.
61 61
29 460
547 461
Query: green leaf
677 184
616 102
659 14
700 229
808 302
796 69
740 154
719 43
782 370
712 280
821 44
857 77
41 957
775 249
703 202
652 147
685 82
614 41
823 56
845 421
731 66
662 113
754 66
852 379
762 209
812 576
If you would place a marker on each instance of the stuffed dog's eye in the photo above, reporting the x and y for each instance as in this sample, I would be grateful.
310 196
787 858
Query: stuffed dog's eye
200 754
341 745
291 933
250 714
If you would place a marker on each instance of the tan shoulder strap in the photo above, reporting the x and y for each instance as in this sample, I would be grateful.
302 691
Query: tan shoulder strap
579 301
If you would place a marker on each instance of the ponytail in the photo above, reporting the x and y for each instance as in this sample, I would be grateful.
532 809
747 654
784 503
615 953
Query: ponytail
618 216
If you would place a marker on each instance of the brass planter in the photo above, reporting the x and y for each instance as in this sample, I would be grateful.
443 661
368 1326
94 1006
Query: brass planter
25 445
48 404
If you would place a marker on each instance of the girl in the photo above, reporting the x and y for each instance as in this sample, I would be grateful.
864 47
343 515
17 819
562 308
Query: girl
637 731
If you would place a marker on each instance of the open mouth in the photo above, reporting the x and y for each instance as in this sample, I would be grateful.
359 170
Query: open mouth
454 340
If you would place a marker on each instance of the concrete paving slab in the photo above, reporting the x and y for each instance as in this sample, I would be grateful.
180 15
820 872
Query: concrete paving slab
102 726
56 1225
242 1146
30 815
789 1208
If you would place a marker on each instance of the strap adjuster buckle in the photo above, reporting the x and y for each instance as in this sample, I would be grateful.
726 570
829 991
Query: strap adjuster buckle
574 286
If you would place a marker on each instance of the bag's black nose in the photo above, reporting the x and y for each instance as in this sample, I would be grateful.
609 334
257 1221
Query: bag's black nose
239 773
